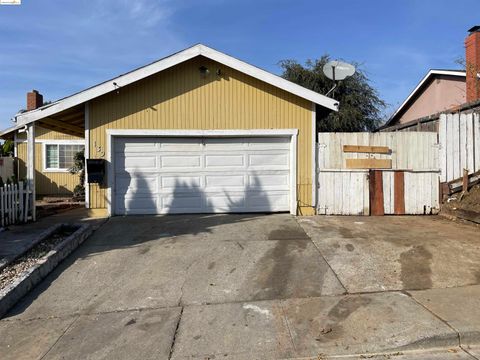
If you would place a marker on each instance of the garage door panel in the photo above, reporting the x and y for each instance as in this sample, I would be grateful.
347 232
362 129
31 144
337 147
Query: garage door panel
227 203
181 144
183 203
137 162
193 175
135 145
137 204
137 185
225 181
280 181
224 160
268 143
269 160
180 161
262 200
181 182
223 144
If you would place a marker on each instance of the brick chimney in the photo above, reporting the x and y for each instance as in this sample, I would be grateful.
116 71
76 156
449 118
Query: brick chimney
472 49
34 100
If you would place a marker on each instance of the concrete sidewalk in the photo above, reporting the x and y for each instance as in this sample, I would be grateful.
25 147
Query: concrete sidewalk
16 238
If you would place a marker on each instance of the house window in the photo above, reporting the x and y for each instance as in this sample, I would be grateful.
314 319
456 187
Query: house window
59 156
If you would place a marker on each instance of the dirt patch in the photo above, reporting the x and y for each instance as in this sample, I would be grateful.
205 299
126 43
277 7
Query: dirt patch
13 270
470 201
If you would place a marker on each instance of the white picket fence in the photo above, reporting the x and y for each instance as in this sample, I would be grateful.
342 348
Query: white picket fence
459 138
15 204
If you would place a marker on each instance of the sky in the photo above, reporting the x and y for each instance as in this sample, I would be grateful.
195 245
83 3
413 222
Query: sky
60 47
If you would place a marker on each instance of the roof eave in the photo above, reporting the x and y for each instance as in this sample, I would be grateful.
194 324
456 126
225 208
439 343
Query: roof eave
430 73
165 63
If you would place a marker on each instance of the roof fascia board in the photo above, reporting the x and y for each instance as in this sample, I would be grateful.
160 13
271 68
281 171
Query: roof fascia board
419 86
166 63
109 86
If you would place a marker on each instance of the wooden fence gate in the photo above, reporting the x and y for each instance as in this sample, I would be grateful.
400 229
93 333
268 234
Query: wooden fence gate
377 173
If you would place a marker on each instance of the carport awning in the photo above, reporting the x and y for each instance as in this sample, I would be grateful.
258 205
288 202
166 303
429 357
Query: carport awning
70 121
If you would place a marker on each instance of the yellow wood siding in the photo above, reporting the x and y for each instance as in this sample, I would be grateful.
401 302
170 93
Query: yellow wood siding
47 183
180 98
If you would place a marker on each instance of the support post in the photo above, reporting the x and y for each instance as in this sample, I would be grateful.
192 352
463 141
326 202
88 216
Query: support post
31 166
87 154
465 181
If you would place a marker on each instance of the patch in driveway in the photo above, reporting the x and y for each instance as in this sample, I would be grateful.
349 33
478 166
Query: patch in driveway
146 334
357 324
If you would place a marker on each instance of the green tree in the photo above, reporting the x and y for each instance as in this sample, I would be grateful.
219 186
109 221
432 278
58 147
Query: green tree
360 104
6 149
79 169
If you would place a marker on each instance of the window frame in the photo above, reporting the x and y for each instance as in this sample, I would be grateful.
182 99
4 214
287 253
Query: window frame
57 142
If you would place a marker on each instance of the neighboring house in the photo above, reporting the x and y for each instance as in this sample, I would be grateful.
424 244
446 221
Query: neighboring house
438 91
196 132
441 91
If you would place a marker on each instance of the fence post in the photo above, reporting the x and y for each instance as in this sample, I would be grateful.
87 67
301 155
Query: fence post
14 203
10 189
9 212
2 205
27 201
465 181
20 201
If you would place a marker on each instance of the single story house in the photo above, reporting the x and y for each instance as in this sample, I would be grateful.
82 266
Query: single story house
196 132
439 90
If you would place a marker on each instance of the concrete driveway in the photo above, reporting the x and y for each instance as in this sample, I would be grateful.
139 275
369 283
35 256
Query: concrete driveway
250 287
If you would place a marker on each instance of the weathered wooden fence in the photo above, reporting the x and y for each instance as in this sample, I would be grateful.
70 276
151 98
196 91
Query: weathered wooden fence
407 175
15 204
459 138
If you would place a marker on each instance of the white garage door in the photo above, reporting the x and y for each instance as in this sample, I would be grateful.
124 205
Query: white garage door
201 175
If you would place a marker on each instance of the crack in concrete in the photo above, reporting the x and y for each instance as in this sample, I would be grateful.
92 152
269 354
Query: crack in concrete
468 353
174 339
180 300
457 333
288 328
60 337
323 257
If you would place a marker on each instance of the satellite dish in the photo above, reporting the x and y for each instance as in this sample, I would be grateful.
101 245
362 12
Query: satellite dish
338 70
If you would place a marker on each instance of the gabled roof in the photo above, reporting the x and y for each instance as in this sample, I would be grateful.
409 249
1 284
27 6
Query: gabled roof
165 63
431 74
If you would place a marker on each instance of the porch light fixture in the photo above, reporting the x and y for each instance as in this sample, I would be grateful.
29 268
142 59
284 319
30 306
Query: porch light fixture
204 70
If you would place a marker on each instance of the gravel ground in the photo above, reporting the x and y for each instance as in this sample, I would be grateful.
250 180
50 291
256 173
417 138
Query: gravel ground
31 257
